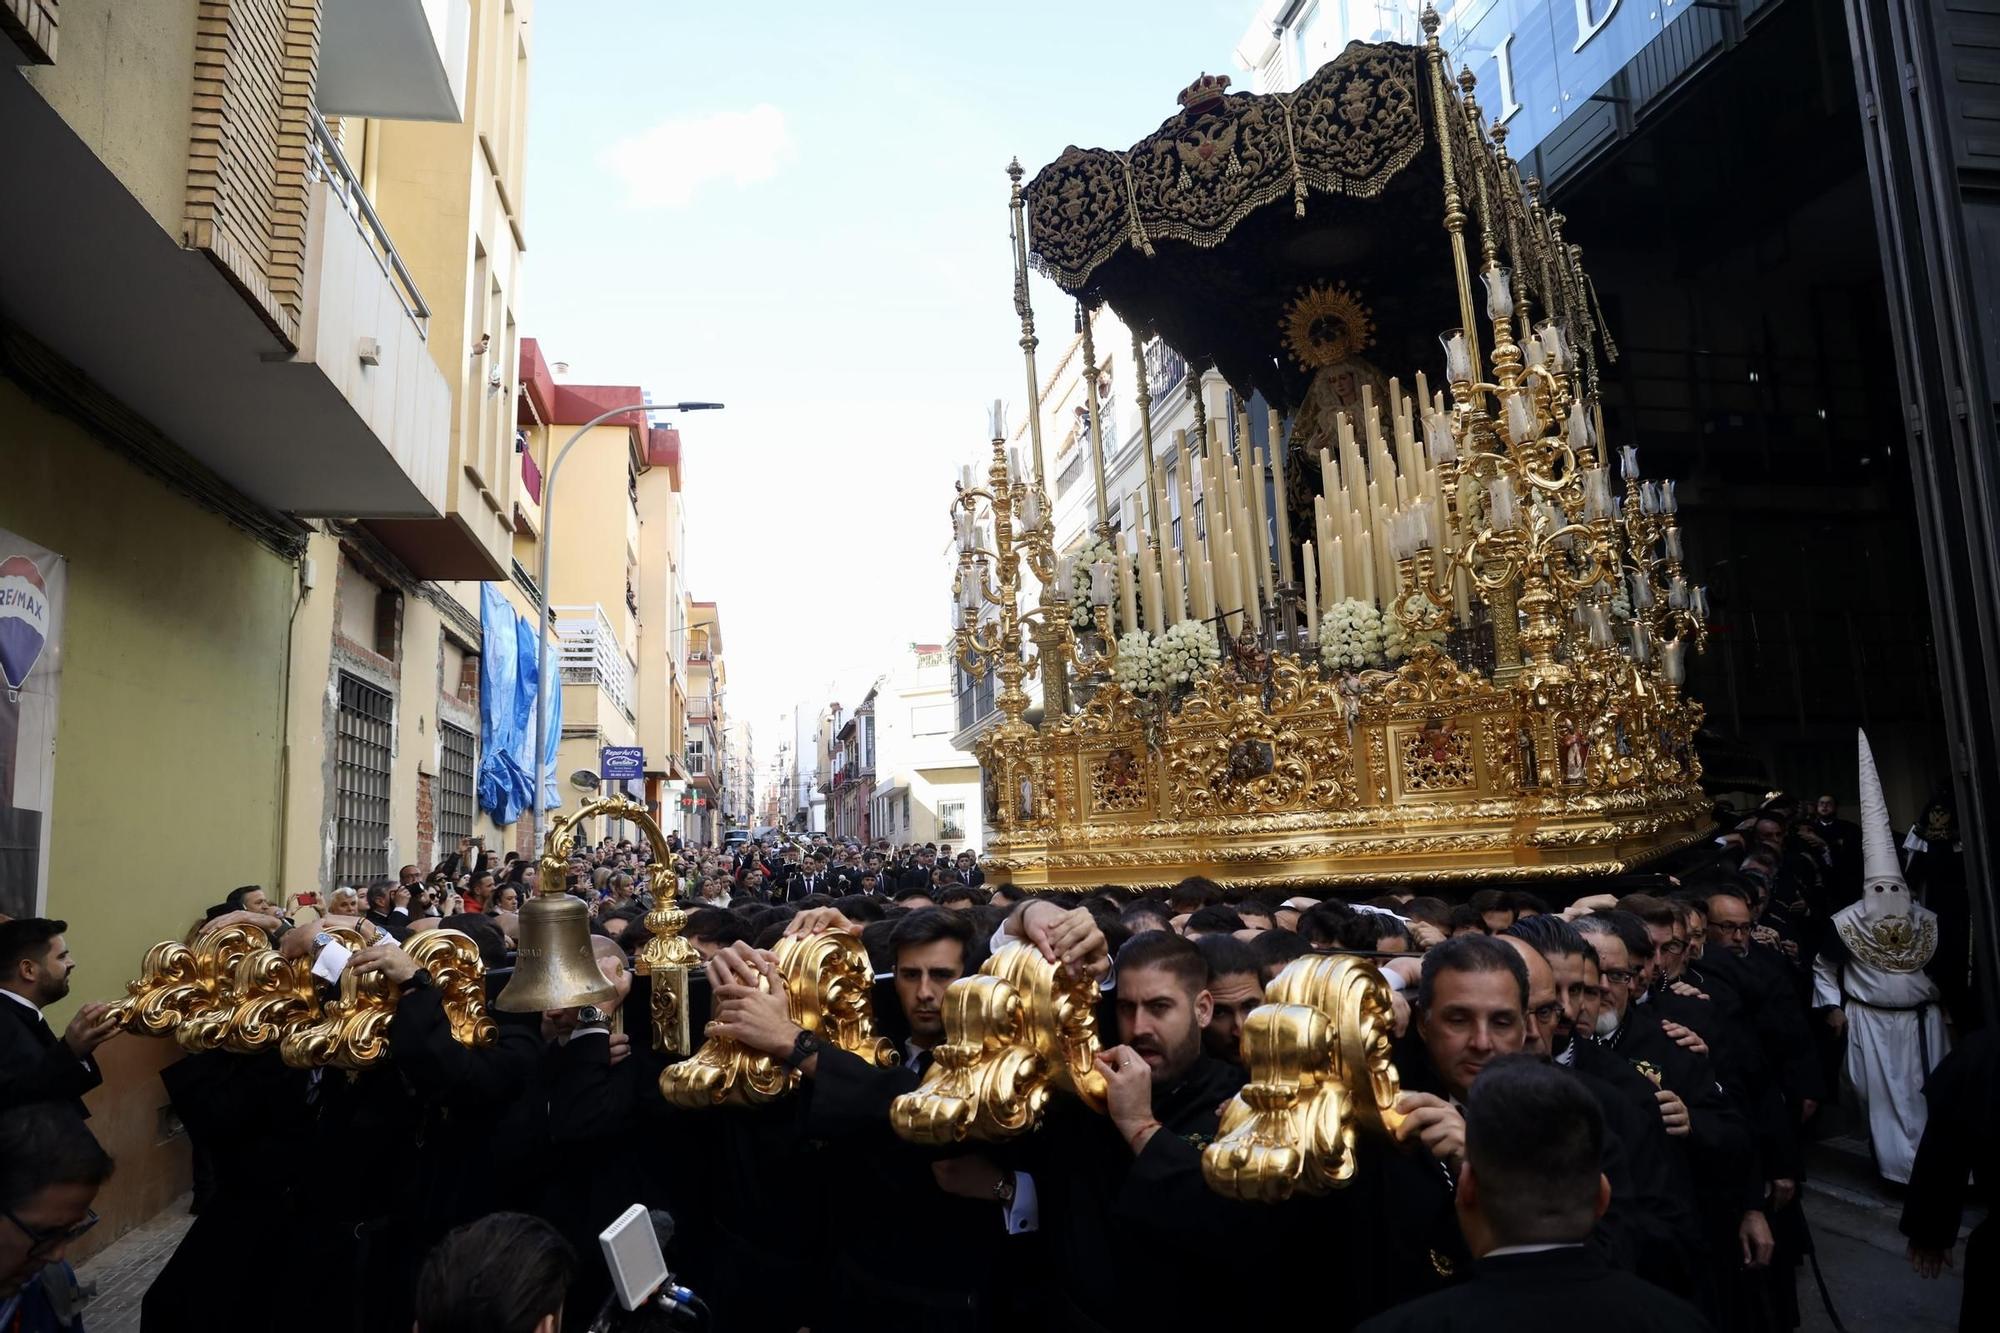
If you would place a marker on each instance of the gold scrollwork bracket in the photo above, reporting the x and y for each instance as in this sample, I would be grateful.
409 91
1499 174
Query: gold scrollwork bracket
828 990
1014 1034
1320 1069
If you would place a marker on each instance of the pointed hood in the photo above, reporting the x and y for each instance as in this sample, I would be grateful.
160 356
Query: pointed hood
1883 891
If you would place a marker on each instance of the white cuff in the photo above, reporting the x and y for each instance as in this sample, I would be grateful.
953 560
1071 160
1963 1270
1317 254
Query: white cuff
1395 979
403 910
1025 1213
1000 939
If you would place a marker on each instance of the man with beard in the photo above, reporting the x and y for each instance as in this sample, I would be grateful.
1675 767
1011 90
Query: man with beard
35 1064
1528 1198
1234 989
1649 1226
1122 1191
922 1246
1728 1185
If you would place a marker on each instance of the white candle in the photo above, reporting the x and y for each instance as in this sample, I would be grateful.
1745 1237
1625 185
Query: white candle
1598 617
1312 596
1523 423
1031 509
1628 462
1100 583
1669 502
1499 293
1579 430
1284 510
1128 597
1673 661
1700 603
965 477
1457 358
1439 440
1642 643
1337 585
1596 493
1500 500
996 421
1014 462
1674 545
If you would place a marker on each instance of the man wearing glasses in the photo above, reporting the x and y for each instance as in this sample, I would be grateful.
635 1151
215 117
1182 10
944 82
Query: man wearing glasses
50 1170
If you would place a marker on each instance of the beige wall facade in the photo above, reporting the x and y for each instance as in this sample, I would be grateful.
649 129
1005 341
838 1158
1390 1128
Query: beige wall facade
167 744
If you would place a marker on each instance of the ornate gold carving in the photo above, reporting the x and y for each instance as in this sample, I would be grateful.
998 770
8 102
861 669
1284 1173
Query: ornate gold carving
167 989
1117 782
1327 325
1014 1034
353 1029
828 989
1320 1067
1437 757
459 974
274 995
216 957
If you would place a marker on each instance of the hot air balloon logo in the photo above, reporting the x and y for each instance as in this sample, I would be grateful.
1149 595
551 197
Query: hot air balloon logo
24 618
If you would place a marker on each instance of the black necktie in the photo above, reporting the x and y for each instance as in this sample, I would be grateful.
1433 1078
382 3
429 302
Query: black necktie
922 1063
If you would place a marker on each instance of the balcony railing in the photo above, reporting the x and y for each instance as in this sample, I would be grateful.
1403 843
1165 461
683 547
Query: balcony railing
330 164
593 655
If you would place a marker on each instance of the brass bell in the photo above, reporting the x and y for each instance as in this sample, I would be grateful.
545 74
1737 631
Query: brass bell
555 966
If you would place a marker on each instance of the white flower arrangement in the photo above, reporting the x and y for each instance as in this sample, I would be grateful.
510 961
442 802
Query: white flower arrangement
1133 670
1351 635
1079 580
1184 652
1149 664
1396 645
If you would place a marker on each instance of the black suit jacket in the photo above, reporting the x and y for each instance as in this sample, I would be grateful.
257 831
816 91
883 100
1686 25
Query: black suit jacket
1534 1292
35 1066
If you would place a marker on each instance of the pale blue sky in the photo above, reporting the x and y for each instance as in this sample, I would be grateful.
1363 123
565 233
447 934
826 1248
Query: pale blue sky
799 209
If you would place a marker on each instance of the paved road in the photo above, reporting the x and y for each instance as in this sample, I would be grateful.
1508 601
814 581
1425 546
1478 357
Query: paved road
1861 1254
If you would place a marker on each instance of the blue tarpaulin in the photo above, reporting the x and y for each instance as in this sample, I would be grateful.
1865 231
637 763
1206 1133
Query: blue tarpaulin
507 711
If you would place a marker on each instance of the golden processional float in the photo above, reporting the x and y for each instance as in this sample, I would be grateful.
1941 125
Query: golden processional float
1470 665
1229 717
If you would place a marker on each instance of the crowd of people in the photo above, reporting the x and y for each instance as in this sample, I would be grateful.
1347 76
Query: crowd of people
1606 1105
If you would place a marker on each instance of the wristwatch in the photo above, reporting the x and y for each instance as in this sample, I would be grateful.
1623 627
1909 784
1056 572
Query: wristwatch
590 1016
419 980
1003 1189
804 1047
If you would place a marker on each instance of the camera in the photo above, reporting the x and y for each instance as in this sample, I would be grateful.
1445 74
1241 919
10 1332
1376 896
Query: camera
644 1295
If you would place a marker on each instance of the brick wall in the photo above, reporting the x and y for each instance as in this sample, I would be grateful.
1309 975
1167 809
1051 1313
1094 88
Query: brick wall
425 855
256 63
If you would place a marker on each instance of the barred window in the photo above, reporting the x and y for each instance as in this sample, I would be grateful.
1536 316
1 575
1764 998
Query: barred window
364 728
456 765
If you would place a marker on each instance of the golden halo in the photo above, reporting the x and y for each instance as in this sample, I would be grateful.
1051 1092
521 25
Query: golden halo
1325 326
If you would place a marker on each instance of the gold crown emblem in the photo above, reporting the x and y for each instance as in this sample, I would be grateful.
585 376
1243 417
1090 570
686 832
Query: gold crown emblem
1325 326
1204 94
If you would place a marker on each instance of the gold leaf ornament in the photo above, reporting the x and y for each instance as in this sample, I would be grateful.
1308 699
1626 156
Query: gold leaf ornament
1327 325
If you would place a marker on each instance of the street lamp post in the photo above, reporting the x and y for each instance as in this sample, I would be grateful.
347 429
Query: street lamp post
542 585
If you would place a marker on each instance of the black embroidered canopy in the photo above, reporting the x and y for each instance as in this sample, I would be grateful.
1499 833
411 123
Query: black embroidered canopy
1267 235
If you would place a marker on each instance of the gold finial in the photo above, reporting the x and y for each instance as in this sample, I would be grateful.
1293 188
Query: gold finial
1014 172
1466 79
1429 18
